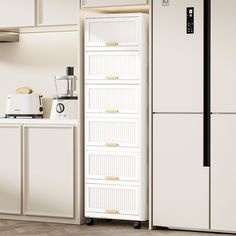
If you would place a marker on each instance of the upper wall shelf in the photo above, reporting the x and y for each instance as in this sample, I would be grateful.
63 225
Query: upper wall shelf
111 3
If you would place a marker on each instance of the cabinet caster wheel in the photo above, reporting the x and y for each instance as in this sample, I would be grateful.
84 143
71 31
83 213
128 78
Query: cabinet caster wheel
90 222
137 225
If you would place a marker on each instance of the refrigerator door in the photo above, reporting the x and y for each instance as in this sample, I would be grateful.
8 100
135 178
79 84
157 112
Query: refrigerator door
223 172
178 56
180 182
223 82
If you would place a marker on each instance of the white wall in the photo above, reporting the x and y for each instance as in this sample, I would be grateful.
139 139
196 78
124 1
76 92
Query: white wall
34 62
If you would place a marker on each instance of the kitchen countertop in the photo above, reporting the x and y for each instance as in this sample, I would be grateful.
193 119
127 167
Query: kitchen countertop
38 121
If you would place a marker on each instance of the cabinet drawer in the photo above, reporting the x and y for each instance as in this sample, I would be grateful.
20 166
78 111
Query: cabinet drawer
100 31
111 199
111 132
112 67
112 98
123 166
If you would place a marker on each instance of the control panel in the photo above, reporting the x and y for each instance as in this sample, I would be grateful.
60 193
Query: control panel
190 20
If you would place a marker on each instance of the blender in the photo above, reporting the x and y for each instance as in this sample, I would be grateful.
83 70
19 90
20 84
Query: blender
65 104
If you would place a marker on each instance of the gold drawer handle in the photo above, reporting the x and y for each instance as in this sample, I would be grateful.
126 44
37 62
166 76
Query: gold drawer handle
112 43
112 145
111 178
112 77
111 211
111 111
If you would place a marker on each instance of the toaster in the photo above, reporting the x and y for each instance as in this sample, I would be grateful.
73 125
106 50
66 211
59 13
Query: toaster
24 105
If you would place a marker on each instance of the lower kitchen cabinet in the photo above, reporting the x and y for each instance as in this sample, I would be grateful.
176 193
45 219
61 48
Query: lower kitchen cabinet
223 181
180 182
49 171
116 115
10 169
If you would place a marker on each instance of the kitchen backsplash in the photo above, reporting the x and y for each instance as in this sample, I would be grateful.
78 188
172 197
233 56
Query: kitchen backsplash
34 62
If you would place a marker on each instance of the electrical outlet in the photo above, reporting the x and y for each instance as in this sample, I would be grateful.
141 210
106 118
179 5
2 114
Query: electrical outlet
165 3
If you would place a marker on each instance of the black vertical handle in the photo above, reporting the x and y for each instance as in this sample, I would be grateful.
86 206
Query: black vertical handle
207 84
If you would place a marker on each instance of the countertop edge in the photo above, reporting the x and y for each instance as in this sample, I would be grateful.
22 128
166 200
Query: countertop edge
5 121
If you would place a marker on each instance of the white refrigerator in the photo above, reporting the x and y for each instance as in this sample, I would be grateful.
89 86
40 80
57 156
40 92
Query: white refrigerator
181 175
194 114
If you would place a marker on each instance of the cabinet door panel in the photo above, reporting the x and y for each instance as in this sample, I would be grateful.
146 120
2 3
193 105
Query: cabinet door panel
57 12
15 13
49 178
10 170
223 170
180 182
223 82
177 58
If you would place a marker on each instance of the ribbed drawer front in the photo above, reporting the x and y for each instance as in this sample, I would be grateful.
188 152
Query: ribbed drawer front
107 165
112 199
112 132
112 98
112 66
100 32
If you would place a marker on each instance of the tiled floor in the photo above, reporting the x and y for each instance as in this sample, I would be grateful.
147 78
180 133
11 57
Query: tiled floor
13 228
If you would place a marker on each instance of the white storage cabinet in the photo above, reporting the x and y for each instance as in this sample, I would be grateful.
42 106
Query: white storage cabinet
116 123
15 13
